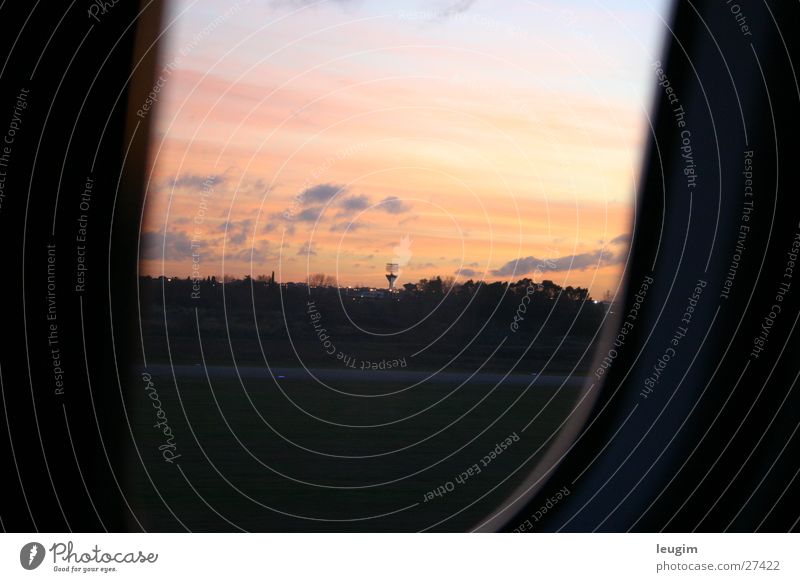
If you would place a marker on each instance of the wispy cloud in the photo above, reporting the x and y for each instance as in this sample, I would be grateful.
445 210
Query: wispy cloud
261 252
195 181
306 249
347 226
458 7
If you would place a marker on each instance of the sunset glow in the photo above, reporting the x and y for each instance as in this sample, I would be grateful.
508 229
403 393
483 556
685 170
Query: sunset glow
481 139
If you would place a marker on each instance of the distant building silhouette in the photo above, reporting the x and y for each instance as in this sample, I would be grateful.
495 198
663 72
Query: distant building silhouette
391 274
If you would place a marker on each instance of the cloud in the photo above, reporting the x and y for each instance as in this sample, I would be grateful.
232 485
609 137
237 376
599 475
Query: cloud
261 252
393 205
195 181
465 272
458 7
237 231
278 219
257 187
347 226
620 240
321 193
307 249
311 214
355 203
593 259
173 246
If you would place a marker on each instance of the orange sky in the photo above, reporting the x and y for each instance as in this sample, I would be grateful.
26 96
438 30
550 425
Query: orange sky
302 139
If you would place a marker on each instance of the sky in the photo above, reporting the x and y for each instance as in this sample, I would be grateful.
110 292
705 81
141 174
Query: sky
476 139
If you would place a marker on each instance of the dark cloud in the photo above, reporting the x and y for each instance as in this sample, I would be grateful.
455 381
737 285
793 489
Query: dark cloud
393 205
311 214
580 262
173 246
621 239
465 272
354 203
237 231
321 193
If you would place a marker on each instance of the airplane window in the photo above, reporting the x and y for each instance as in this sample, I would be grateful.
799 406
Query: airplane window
381 245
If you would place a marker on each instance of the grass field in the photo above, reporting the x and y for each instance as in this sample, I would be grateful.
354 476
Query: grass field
299 456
